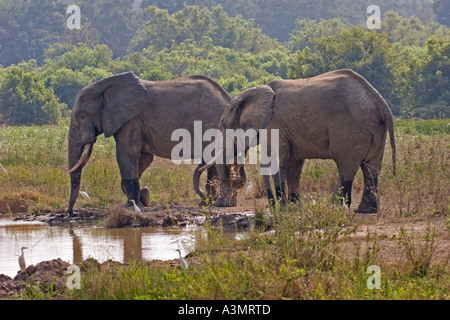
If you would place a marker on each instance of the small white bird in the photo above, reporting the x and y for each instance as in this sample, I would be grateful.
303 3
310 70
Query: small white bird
249 188
3 168
22 263
183 262
136 208
85 195
344 203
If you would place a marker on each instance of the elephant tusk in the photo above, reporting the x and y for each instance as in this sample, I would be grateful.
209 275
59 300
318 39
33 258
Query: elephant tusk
211 163
84 158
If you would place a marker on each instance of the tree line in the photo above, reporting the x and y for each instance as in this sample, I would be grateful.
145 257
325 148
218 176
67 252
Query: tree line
44 64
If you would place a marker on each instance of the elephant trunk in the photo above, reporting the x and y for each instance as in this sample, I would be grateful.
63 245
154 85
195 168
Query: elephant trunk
75 182
196 182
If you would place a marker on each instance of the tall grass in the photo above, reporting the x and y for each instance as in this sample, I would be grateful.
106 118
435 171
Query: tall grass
36 160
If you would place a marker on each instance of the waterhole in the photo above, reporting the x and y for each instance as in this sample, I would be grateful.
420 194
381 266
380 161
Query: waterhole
78 244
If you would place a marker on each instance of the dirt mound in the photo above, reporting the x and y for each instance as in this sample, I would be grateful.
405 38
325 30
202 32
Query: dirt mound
43 277
46 277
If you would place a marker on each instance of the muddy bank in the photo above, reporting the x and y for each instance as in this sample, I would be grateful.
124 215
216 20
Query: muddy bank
154 216
53 276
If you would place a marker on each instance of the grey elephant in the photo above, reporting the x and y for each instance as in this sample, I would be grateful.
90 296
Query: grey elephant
338 115
142 115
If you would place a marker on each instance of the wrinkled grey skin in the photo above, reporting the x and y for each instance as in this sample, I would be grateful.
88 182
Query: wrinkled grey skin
337 115
142 115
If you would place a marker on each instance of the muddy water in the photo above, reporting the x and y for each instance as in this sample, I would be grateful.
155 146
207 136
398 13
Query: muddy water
123 245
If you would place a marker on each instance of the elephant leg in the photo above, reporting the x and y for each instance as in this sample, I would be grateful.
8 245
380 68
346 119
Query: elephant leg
293 173
369 201
128 161
278 179
132 191
347 171
279 187
144 162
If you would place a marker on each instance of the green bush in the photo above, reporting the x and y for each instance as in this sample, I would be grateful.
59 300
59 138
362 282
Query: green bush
25 100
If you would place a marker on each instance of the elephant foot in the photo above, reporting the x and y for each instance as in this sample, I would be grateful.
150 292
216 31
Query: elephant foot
369 203
129 204
367 207
144 197
279 197
294 197
226 203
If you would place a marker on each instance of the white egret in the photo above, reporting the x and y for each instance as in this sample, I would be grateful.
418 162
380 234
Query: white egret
249 188
136 208
344 203
22 263
183 262
85 195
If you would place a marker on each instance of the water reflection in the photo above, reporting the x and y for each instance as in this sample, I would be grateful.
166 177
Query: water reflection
75 245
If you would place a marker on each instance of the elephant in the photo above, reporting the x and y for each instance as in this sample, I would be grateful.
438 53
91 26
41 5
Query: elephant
142 115
337 115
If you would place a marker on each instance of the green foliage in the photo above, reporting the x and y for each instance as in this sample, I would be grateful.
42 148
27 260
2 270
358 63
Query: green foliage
367 53
410 31
233 69
67 83
425 83
79 57
442 10
24 99
307 30
27 28
163 31
407 60
115 21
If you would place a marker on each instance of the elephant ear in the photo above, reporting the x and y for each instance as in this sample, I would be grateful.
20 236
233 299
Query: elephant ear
124 99
252 109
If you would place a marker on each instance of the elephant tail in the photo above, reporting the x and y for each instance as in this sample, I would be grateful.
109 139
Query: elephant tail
389 120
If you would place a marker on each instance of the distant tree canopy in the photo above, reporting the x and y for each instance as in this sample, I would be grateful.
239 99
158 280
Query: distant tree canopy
277 18
442 10
27 28
163 31
43 64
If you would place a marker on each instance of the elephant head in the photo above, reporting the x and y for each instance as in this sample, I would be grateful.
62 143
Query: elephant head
101 107
252 109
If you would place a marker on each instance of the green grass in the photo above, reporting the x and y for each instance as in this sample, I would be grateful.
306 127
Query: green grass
425 127
36 160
